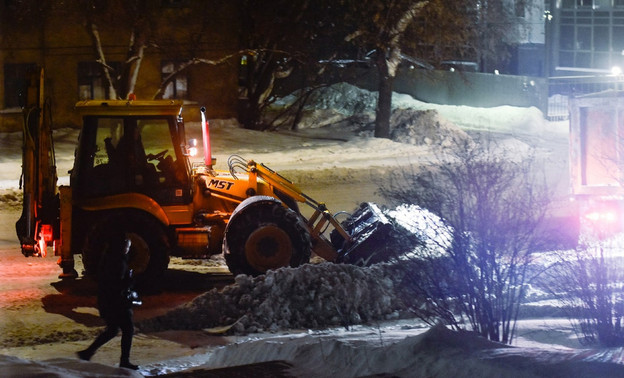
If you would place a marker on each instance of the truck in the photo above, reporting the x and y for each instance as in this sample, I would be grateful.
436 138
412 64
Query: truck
133 170
596 162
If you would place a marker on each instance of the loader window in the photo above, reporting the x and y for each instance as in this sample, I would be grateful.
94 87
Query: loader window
110 130
133 154
160 151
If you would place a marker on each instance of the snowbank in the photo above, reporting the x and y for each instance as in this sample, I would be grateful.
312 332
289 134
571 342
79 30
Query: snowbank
333 104
59 367
404 352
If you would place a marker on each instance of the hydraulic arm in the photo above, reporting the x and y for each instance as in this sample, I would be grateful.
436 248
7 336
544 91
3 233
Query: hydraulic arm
39 219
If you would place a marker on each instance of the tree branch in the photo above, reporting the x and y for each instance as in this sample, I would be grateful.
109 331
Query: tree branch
212 62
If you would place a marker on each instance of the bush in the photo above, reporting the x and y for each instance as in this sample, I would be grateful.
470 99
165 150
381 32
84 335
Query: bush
493 203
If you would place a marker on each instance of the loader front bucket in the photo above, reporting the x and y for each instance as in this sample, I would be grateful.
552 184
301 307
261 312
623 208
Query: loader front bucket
375 237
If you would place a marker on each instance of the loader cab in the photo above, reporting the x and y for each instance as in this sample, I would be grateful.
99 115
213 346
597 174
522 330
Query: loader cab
126 149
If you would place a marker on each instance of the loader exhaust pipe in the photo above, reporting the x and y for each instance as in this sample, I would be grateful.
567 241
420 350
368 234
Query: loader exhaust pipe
206 137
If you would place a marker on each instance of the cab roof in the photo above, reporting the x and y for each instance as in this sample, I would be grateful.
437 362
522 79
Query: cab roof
129 107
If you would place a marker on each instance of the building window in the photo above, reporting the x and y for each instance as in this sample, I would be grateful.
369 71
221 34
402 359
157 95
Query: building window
602 4
91 84
174 3
568 4
178 87
519 8
591 38
16 81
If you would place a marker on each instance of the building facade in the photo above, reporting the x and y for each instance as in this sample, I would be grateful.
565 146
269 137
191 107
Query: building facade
55 36
552 38
566 37
585 36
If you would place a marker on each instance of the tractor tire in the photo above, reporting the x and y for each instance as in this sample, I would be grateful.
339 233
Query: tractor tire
262 234
149 253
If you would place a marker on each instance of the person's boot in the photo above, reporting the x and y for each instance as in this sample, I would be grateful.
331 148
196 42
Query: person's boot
102 339
85 355
124 363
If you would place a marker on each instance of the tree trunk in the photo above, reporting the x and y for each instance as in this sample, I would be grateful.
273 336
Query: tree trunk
384 101
132 65
258 90
92 29
132 79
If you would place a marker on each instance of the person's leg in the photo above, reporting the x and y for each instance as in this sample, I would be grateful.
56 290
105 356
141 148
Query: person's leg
127 332
104 337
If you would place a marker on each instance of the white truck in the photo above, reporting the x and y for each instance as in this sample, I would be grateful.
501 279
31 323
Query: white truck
597 161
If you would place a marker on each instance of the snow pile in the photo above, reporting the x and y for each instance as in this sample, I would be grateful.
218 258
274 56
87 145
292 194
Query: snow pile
311 296
411 122
11 198
332 104
431 230
343 98
424 127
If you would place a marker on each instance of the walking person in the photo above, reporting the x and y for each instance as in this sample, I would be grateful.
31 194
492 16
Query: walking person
115 300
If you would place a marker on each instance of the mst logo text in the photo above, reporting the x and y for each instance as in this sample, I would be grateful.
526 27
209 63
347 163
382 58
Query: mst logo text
220 184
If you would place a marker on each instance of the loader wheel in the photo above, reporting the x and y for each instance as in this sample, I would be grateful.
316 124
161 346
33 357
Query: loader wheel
149 254
262 234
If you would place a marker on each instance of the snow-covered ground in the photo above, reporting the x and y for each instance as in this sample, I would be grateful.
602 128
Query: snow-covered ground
334 159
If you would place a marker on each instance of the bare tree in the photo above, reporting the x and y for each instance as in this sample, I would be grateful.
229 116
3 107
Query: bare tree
493 32
432 30
281 35
382 25
141 20
493 204
137 14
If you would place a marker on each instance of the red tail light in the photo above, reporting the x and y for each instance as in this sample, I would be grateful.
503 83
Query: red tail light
603 216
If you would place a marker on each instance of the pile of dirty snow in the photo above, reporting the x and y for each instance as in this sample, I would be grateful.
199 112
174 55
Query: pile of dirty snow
10 198
331 105
311 296
347 105
424 127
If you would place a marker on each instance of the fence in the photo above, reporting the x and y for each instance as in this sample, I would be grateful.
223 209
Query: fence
486 90
481 89
560 89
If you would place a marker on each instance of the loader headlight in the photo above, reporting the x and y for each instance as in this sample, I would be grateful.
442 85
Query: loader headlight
192 147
